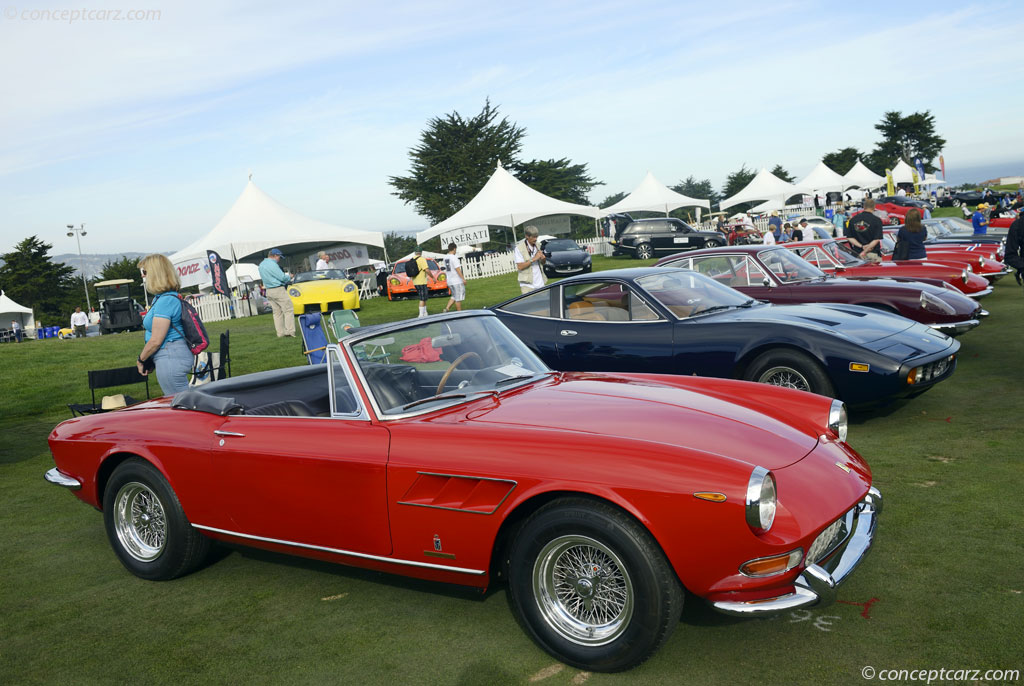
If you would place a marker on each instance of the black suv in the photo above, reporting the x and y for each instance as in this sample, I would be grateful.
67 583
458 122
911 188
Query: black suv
647 238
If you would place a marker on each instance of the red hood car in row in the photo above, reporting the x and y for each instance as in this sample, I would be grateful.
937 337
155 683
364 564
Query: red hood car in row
401 286
777 275
952 255
836 256
744 494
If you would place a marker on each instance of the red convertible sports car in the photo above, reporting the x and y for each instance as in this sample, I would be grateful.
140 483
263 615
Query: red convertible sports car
780 277
744 494
836 256
958 256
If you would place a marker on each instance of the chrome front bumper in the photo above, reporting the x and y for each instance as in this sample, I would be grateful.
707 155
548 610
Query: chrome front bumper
818 583
955 328
55 476
979 294
995 276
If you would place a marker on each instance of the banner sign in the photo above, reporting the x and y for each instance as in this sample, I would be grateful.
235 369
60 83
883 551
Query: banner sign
343 256
195 272
217 273
554 225
889 189
467 235
942 163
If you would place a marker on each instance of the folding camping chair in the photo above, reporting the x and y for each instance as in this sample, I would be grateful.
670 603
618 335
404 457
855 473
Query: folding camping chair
314 338
344 322
108 378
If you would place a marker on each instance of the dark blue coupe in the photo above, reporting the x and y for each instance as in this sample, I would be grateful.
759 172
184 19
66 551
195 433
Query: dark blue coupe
681 322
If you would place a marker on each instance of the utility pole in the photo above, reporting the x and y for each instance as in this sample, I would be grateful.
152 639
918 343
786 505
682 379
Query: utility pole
78 233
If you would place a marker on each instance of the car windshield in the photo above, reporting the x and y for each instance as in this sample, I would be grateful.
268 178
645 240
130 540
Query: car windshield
842 253
560 245
423 366
937 229
787 267
320 275
686 293
887 244
114 292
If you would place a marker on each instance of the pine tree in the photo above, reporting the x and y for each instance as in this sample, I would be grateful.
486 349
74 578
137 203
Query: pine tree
32 279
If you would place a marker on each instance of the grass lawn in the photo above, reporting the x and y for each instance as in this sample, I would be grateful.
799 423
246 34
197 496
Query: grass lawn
942 589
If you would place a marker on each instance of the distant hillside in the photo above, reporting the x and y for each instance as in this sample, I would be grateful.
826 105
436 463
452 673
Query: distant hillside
93 263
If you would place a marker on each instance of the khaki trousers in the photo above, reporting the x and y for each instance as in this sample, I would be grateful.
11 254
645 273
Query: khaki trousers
284 315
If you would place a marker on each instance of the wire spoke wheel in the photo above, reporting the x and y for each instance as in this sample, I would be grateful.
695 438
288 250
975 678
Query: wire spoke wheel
583 590
787 377
140 522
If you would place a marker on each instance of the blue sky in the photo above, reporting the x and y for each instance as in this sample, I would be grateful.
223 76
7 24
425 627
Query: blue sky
146 130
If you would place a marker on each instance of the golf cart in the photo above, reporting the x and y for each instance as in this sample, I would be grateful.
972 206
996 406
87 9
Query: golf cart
118 312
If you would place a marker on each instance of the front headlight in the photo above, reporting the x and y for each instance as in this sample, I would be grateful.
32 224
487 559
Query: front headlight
963 274
442 277
294 292
935 304
761 500
837 420
396 282
349 287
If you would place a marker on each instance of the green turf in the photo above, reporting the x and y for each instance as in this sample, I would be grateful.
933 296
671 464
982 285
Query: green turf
945 572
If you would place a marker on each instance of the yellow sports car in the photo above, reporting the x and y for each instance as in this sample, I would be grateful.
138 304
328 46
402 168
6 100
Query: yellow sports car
322 291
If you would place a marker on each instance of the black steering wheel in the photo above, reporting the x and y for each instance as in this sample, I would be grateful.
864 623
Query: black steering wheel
451 368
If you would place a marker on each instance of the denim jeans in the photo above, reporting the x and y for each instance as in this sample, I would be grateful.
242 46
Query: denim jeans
173 364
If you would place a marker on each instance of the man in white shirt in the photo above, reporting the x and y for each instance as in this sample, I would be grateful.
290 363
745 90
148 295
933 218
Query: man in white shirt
529 258
456 279
79 320
321 262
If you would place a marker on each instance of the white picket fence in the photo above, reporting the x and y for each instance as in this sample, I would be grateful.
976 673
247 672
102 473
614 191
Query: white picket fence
214 307
503 263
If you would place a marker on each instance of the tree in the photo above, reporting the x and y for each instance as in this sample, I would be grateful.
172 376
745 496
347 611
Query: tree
907 137
737 181
693 188
32 279
398 245
842 161
454 159
612 199
560 179
780 172
124 268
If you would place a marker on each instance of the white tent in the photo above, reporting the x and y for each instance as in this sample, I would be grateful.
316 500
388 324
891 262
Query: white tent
10 310
426 253
930 180
903 173
764 186
654 196
256 223
505 201
822 179
863 177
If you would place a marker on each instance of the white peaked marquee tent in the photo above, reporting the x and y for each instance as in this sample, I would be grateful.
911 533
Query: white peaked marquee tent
931 180
823 180
903 173
505 201
764 186
862 177
11 310
256 223
652 195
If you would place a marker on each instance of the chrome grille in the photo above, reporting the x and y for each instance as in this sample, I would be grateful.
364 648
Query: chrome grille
829 539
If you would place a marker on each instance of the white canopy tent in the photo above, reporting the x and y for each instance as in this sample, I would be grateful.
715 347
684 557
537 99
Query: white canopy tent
823 180
426 253
256 223
505 201
862 177
764 186
903 173
10 310
930 180
653 196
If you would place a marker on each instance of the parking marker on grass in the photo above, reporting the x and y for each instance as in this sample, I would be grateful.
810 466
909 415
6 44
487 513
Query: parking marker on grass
335 597
547 672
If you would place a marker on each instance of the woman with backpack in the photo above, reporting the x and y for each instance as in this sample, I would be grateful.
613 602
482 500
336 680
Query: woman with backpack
166 350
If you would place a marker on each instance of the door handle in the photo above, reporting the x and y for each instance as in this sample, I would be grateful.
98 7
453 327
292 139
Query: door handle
567 332
218 432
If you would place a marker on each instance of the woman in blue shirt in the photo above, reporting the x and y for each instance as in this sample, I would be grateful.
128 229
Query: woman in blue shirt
914 233
165 338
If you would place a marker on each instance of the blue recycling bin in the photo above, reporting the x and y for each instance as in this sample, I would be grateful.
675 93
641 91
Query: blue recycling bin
46 332
829 213
53 331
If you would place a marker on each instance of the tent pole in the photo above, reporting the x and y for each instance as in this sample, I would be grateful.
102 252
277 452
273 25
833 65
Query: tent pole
512 228
238 282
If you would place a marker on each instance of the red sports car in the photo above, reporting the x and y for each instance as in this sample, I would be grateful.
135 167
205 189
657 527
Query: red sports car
401 286
744 494
953 255
835 256
777 275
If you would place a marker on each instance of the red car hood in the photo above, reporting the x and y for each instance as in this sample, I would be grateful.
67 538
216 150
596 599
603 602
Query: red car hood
726 418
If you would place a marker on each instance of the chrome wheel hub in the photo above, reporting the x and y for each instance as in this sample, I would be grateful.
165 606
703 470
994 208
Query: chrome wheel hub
787 377
583 590
139 522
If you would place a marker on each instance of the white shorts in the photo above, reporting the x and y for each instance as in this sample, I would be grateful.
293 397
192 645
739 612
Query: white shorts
458 291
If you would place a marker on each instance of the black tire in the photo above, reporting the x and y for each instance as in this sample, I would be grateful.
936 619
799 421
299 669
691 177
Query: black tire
639 597
790 369
644 251
714 244
147 527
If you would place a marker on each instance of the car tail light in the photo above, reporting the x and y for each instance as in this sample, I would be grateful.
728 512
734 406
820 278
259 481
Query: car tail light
776 564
